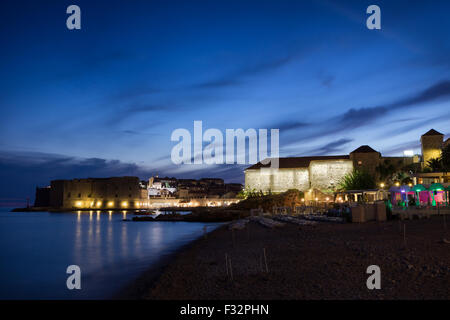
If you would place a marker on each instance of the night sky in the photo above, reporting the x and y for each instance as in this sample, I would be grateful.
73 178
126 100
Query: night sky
104 100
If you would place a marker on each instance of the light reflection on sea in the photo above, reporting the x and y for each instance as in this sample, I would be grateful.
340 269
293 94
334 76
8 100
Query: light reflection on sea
37 247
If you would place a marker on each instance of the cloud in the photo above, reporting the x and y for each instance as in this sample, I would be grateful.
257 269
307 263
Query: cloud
235 78
434 92
332 147
131 110
413 145
290 125
326 79
137 92
21 172
359 117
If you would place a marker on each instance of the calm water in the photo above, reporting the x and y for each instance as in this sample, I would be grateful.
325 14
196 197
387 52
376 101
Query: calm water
37 247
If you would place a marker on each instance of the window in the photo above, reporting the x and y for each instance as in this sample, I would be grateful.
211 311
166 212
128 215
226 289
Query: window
68 195
79 195
117 195
129 196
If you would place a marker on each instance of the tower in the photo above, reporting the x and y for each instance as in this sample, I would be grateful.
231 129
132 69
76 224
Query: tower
432 143
365 158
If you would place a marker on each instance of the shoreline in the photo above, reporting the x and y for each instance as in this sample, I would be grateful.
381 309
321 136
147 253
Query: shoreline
197 214
327 261
138 288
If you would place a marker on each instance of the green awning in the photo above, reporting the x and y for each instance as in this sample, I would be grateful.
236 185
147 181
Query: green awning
418 188
437 187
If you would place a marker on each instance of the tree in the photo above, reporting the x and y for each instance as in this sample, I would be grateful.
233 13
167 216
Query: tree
247 193
385 169
357 180
401 177
435 164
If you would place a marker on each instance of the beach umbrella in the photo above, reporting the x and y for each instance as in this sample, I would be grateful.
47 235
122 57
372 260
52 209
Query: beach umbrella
404 194
435 187
393 190
405 188
417 189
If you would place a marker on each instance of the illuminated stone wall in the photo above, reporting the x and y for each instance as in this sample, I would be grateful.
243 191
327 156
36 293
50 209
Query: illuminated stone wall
321 174
431 147
120 192
325 175
277 180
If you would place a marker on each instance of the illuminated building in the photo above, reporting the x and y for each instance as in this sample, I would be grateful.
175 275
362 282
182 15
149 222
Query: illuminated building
323 173
98 193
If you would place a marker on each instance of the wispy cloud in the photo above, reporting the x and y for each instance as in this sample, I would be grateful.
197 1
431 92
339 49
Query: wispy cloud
330 148
360 117
236 77
21 172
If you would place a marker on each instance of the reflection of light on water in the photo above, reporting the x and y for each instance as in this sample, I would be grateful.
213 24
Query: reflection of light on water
123 238
98 215
78 238
124 214
138 245
90 232
156 234
98 244
109 242
110 255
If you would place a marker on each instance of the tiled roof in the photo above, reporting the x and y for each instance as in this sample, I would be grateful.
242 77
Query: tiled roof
364 149
432 132
298 162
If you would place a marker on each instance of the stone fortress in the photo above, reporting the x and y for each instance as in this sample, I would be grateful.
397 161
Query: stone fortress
132 193
324 172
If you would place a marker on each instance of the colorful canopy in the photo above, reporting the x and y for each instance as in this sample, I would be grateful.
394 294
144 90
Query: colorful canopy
437 187
405 188
394 189
418 188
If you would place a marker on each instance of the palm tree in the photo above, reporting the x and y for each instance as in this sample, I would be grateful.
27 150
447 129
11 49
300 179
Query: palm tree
357 180
435 164
385 169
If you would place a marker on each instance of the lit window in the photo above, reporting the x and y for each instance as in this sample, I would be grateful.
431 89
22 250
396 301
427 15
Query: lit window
360 162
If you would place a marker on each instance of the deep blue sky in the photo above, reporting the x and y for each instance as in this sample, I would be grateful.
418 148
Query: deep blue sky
104 100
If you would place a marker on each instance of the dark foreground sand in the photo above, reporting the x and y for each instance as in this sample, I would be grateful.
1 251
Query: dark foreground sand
327 261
